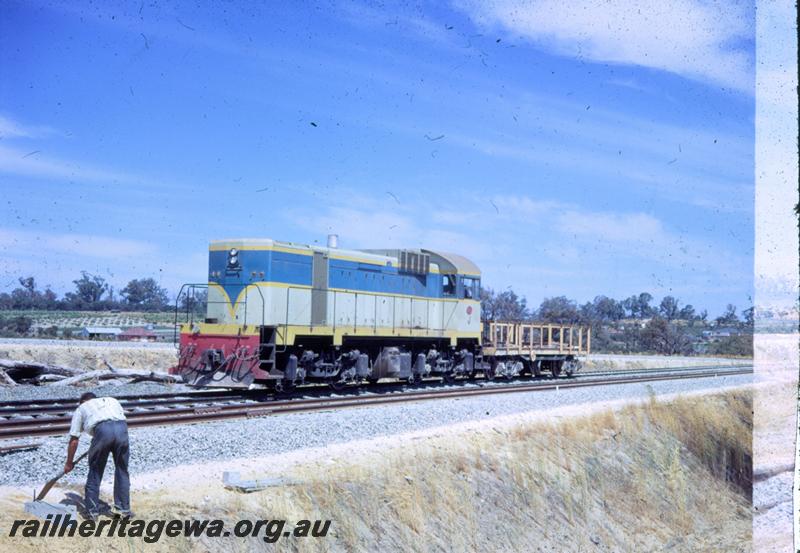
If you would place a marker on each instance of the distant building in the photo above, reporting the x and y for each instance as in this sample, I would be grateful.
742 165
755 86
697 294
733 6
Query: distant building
100 332
137 334
719 333
633 323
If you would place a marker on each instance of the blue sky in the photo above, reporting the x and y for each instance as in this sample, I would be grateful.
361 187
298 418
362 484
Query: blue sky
604 150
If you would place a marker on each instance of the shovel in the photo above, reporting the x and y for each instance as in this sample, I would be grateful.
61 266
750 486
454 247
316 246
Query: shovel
56 478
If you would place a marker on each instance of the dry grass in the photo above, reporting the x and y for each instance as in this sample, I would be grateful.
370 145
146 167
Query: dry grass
614 362
646 478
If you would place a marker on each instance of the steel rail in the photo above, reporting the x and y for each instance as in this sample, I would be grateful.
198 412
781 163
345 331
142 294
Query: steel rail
17 447
174 399
681 368
73 402
190 414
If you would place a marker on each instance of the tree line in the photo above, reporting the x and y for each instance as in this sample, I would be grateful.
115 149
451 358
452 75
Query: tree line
508 306
633 325
91 293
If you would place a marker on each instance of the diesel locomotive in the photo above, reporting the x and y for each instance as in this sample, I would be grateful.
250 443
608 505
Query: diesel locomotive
279 314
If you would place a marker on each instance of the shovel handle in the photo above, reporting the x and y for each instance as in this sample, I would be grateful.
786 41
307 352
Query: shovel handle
56 478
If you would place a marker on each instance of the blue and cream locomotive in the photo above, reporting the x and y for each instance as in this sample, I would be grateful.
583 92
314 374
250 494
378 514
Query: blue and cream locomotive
280 313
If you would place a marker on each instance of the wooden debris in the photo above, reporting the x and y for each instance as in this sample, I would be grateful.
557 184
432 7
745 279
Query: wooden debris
16 372
31 369
113 373
233 481
88 375
5 379
43 378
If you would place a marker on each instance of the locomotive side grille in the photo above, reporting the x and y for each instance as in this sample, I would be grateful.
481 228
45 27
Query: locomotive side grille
413 262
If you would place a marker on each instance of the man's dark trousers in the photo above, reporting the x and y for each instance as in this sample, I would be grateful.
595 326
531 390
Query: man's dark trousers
109 437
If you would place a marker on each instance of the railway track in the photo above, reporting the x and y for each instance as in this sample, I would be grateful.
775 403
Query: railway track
21 419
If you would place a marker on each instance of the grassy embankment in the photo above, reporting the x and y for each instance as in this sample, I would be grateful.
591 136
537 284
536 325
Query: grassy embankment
659 476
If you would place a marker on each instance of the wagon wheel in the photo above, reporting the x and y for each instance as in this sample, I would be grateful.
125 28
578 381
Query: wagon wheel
555 367
571 366
488 372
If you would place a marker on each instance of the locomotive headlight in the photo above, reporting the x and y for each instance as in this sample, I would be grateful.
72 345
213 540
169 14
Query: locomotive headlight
233 258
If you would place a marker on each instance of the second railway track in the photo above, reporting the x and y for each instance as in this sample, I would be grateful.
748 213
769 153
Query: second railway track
52 417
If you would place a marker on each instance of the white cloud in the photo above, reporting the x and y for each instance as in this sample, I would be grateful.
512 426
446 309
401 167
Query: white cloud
56 259
35 163
59 269
612 227
538 246
693 181
11 128
687 37
24 243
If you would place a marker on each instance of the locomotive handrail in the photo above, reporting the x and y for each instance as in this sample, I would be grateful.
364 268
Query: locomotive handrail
189 309
263 305
190 318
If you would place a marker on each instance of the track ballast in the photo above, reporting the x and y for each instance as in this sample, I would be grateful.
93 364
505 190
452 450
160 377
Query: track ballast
26 419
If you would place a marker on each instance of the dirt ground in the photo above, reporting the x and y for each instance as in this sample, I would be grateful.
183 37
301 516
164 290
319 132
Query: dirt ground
91 356
774 429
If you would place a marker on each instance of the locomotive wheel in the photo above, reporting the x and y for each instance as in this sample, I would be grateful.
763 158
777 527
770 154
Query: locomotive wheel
337 385
449 378
415 379
514 368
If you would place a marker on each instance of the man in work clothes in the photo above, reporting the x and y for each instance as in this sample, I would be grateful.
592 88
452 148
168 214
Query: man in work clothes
103 419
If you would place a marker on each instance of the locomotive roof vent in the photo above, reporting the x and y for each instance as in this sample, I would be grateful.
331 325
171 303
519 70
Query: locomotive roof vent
333 241
414 262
